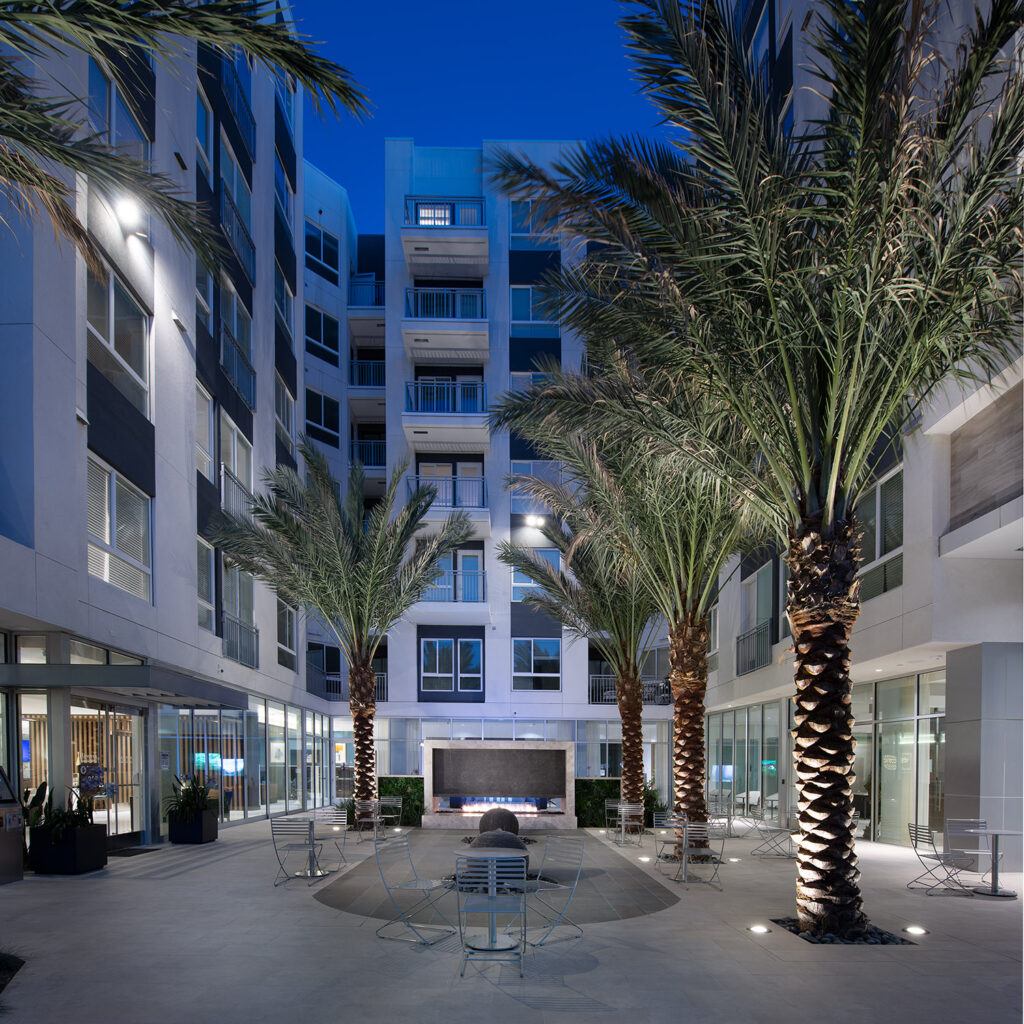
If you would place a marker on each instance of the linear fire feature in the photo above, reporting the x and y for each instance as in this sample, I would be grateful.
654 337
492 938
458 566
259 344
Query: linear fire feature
464 778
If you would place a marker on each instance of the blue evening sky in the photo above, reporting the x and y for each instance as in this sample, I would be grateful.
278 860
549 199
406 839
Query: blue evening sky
454 72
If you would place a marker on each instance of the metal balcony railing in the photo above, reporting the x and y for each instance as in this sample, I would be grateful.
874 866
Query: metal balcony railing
465 587
241 641
372 454
601 690
445 303
754 648
456 397
238 103
237 234
237 366
366 293
366 373
441 212
235 497
452 491
334 686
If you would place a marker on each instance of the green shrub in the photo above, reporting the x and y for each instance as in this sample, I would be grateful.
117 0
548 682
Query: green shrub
410 789
592 793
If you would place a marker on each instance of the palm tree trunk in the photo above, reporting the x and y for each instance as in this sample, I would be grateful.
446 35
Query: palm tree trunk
630 697
823 604
688 677
362 702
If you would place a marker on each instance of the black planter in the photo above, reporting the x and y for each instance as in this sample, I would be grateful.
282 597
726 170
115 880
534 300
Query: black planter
201 829
80 849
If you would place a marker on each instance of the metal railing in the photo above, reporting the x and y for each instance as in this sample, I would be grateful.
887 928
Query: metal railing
235 497
241 641
445 303
754 648
366 373
237 366
442 212
238 102
366 293
237 234
461 397
601 690
452 491
370 453
464 587
334 686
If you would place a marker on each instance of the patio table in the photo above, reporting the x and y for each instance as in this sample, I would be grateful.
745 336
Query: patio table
993 834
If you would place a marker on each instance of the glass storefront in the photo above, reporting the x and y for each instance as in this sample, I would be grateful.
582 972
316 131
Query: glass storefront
33 732
742 749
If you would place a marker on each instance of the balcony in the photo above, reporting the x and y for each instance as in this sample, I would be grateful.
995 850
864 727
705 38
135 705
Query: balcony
366 310
462 587
238 103
445 237
372 454
446 416
239 370
366 373
241 641
601 690
237 234
235 497
333 686
466 493
754 648
446 325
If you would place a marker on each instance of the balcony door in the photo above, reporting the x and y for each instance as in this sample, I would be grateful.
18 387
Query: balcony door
470 576
468 393
439 476
469 486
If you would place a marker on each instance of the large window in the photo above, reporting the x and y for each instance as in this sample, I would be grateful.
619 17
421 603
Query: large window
235 185
282 189
546 469
322 335
284 414
537 663
521 583
522 230
235 317
204 134
117 517
451 665
235 451
321 252
880 515
118 335
283 300
112 119
286 635
204 433
204 295
525 303
204 584
322 418
238 594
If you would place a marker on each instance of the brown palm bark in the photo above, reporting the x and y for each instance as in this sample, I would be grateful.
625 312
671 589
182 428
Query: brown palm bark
362 702
688 677
823 604
630 697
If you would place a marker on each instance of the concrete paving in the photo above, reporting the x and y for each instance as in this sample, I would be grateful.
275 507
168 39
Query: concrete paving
200 934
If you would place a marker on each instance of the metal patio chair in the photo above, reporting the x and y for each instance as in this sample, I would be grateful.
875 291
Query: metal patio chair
631 823
399 875
291 837
555 885
367 818
941 870
611 813
668 834
702 843
330 824
390 810
957 841
491 887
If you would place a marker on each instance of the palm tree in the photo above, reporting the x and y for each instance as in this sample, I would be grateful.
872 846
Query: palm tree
601 598
41 134
820 287
357 570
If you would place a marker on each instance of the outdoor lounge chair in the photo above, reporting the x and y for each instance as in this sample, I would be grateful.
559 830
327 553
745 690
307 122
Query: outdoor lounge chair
398 873
941 870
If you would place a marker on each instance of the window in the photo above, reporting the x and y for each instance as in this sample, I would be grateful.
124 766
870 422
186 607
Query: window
283 298
521 584
238 594
537 664
546 469
118 337
522 232
759 47
204 433
756 598
286 97
235 451
712 639
322 420
525 303
117 517
204 134
204 584
521 381
235 317
284 414
285 635
880 515
471 678
282 189
438 668
112 119
234 184
322 335
321 252
204 295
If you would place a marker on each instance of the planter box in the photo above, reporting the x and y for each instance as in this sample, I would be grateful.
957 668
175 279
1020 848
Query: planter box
196 830
80 849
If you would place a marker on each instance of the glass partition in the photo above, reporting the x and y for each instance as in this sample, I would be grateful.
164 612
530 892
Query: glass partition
770 761
34 753
232 764
277 780
294 794
256 758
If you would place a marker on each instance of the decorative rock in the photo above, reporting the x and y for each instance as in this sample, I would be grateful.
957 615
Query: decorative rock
499 818
503 840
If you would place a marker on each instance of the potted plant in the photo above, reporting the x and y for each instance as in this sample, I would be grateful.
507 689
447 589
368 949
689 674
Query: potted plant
66 842
190 814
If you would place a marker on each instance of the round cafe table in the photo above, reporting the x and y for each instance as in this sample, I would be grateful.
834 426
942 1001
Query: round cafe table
494 942
993 834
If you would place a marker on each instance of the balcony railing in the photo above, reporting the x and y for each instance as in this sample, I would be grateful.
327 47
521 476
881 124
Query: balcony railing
334 686
241 641
601 690
465 587
372 454
237 234
237 366
366 373
235 497
457 397
452 491
366 293
441 212
754 648
234 96
445 303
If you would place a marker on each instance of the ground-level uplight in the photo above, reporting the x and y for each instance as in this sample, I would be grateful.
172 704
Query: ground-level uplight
915 929
645 860
759 929
734 860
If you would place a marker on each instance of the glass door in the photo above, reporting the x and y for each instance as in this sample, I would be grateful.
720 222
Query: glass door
34 752
469 487
470 577
439 476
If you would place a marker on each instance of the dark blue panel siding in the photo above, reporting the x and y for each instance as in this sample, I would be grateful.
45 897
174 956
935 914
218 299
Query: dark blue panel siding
284 358
530 622
530 267
527 353
207 505
283 456
138 80
450 633
518 448
370 256
284 250
119 434
207 358
284 144
17 452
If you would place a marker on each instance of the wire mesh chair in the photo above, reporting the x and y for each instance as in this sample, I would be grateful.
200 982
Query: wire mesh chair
554 887
398 873
941 870
331 825
291 837
631 823
491 887
702 843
